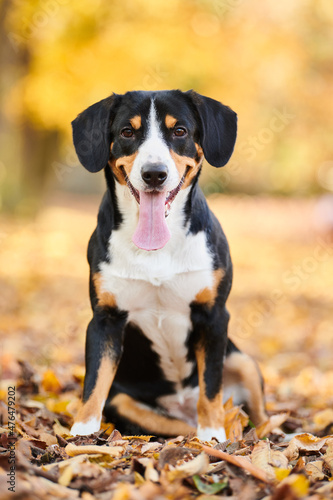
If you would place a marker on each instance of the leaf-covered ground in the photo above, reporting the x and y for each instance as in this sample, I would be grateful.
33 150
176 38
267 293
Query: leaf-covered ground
281 310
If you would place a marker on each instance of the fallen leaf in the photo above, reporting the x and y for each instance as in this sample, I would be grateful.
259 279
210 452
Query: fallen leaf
323 419
208 488
307 442
239 462
328 457
49 439
66 476
73 450
298 483
151 473
315 470
198 465
261 458
273 422
50 382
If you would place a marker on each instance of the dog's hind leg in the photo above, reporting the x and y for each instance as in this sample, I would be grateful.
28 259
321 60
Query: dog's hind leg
132 417
242 379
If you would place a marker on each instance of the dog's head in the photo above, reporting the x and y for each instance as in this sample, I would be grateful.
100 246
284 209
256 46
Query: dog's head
154 142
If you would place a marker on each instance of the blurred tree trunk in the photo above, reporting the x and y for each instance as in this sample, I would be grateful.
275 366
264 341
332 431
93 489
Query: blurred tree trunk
26 152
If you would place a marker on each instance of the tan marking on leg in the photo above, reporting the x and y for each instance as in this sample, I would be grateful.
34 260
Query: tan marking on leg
210 411
124 161
132 410
242 369
105 299
136 122
184 163
170 121
208 295
92 408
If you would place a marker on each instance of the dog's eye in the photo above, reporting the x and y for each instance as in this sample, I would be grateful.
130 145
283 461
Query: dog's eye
179 131
127 132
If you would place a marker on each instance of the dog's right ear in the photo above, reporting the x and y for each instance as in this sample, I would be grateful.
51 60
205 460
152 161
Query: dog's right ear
92 133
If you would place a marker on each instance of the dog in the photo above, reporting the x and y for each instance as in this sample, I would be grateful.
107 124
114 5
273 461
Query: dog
157 348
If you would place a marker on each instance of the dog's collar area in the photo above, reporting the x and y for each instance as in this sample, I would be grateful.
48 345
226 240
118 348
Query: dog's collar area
171 195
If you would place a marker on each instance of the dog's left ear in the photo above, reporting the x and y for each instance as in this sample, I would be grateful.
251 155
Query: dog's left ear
218 128
92 134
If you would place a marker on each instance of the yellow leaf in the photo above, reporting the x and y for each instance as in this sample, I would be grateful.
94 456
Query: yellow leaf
281 474
228 405
298 483
56 406
108 428
66 476
50 383
138 479
122 492
143 438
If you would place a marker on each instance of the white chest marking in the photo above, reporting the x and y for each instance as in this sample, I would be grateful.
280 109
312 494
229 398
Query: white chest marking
156 288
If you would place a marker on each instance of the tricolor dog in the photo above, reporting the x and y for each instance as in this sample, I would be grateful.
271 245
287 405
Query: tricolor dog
158 358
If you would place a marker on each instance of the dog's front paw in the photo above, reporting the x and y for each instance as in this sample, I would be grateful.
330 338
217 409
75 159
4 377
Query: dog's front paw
208 433
85 428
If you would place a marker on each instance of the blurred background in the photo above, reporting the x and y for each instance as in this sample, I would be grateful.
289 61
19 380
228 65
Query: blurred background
272 62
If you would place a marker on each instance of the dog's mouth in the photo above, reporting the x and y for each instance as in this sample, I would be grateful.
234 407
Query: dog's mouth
170 195
152 232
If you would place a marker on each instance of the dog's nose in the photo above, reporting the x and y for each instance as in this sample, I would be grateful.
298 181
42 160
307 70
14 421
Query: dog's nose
154 174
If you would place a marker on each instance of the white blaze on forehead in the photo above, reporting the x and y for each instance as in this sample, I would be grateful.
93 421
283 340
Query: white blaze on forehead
154 150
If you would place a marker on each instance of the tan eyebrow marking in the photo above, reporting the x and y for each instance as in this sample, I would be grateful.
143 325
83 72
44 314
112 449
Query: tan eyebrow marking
136 122
170 121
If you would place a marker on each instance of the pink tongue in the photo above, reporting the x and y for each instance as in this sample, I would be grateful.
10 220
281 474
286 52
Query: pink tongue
152 232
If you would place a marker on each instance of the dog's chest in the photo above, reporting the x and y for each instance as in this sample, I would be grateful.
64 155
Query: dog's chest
156 289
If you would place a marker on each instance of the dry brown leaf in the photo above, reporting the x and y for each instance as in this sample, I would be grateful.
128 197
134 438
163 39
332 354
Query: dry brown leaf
151 473
278 459
328 457
198 465
322 419
292 451
114 451
60 429
261 458
149 447
315 470
64 463
326 489
49 439
241 462
272 423
308 442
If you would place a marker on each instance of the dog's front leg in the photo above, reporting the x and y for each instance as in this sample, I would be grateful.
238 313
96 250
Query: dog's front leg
210 351
104 346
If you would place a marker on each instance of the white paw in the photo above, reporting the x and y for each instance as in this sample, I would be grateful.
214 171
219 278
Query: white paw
208 433
85 428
